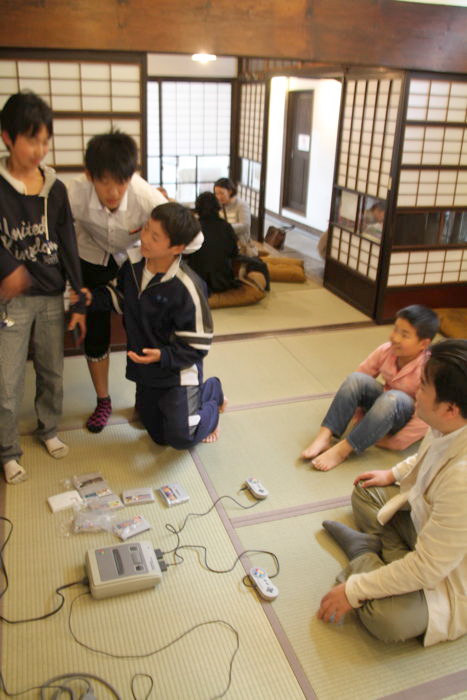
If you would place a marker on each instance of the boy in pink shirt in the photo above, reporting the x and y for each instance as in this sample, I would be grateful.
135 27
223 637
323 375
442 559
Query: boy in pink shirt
385 413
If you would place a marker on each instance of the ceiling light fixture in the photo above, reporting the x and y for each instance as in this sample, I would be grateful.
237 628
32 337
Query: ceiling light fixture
203 57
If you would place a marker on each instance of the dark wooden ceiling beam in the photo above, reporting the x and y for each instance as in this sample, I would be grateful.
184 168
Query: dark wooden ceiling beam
363 32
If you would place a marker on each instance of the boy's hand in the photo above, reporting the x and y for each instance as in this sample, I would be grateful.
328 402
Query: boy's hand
74 298
379 477
78 321
149 355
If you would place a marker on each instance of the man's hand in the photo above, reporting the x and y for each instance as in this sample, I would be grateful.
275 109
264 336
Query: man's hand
78 321
379 477
74 297
149 355
334 605
14 284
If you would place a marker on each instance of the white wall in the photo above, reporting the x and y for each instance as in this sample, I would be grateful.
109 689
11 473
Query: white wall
326 102
173 65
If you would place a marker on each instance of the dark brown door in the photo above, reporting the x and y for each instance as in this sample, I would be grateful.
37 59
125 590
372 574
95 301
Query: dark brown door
297 150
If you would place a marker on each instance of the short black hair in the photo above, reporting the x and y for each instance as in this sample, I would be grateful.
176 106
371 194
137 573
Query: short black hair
207 206
227 184
25 113
446 369
114 154
177 221
424 320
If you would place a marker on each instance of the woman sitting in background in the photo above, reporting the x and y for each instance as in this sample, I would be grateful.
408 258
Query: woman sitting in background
237 212
213 261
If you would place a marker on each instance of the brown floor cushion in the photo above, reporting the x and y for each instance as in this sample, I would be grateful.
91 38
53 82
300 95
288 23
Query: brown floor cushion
453 322
243 296
285 269
282 260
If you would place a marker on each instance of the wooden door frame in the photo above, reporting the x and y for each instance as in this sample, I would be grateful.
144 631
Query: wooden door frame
286 141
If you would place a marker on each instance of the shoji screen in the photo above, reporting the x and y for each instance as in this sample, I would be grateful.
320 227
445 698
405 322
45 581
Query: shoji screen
363 171
87 97
250 144
430 244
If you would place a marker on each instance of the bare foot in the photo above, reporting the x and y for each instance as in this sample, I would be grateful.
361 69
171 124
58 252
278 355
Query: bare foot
223 406
212 437
14 472
321 443
332 457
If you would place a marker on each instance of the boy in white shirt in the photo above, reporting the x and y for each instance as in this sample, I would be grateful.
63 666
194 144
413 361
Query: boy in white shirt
110 205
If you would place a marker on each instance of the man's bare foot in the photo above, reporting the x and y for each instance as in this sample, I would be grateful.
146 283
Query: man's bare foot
223 406
212 437
332 457
14 472
321 443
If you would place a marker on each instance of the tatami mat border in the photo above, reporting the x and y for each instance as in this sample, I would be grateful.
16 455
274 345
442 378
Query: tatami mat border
292 331
281 402
231 408
292 512
80 426
277 628
437 689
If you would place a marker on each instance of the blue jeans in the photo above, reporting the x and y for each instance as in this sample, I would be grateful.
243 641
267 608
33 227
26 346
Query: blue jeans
41 320
386 412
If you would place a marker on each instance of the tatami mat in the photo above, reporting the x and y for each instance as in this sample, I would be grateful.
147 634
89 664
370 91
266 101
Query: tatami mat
331 356
342 661
300 308
252 371
259 370
41 557
274 368
278 287
266 443
79 398
279 387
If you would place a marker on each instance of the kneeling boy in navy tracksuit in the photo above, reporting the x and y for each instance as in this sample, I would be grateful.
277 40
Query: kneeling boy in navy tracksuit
169 330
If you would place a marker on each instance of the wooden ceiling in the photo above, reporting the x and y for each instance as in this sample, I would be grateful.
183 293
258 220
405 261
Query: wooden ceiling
342 32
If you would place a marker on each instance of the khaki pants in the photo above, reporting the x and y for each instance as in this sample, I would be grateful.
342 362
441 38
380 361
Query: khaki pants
395 618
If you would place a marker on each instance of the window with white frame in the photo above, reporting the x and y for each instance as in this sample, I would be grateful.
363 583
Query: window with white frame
188 135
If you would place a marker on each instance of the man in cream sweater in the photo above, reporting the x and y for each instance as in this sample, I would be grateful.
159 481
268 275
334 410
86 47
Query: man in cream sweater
407 571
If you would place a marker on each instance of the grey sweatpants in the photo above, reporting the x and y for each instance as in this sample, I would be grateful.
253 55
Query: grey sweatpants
39 319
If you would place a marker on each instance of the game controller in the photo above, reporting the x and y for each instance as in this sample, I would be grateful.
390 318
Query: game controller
256 488
263 584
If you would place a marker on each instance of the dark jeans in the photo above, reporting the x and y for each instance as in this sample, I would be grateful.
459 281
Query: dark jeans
180 416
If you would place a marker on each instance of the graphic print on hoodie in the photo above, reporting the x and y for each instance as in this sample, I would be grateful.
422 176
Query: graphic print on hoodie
37 231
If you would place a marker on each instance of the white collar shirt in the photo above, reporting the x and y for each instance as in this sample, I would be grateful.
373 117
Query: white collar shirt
100 232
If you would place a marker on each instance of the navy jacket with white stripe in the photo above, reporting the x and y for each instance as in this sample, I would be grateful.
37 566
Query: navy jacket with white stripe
171 314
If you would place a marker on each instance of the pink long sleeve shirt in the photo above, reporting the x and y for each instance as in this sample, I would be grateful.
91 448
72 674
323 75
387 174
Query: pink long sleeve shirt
383 361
